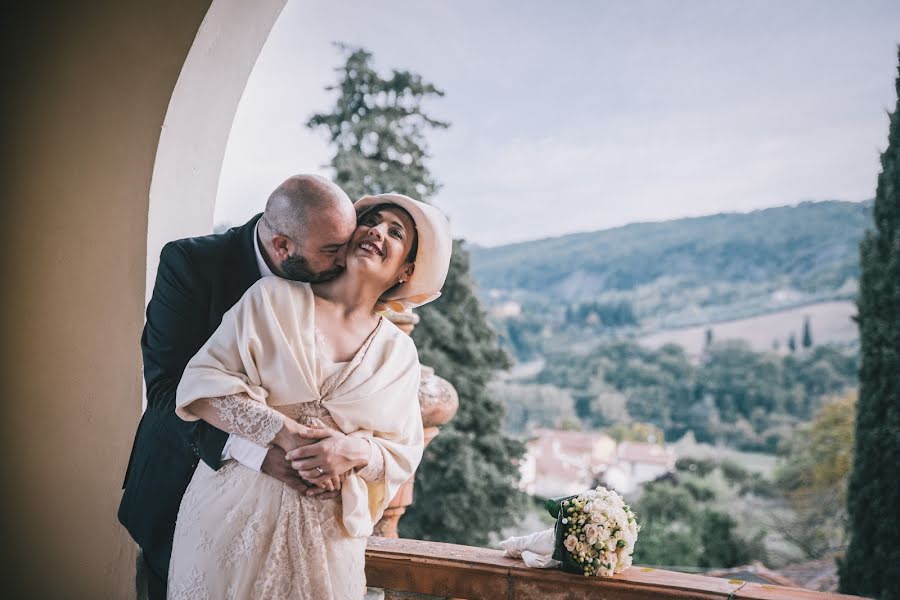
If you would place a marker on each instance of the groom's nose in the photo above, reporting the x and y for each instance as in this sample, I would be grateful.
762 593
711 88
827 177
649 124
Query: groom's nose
340 257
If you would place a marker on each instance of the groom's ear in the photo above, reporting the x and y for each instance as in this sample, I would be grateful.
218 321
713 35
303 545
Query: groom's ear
281 246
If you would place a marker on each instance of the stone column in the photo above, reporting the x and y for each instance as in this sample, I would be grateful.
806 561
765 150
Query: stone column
438 402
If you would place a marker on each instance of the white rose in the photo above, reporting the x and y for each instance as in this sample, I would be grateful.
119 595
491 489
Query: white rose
591 533
570 543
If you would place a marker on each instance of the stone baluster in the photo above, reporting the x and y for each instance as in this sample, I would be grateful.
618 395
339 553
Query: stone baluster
438 402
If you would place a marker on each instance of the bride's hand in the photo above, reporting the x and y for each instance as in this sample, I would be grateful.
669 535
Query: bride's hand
326 459
293 435
329 488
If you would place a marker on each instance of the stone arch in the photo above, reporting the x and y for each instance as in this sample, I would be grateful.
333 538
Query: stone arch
115 129
198 121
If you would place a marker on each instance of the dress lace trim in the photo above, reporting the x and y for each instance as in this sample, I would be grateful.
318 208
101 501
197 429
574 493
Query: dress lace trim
374 471
247 418
311 414
296 563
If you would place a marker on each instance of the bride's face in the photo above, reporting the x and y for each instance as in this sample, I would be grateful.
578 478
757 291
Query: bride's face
381 245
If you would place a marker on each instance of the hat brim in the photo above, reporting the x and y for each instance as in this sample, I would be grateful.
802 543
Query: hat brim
435 246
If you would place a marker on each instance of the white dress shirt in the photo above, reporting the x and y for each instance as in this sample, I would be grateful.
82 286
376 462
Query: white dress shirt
245 452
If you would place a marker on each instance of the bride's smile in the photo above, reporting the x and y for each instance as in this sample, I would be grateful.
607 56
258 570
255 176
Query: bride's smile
383 234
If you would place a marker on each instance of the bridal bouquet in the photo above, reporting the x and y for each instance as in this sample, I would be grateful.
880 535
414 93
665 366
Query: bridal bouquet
594 535
595 532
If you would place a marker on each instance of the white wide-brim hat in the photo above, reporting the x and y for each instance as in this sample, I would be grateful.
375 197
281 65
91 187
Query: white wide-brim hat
435 245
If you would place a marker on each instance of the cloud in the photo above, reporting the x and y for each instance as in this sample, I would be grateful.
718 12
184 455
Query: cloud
582 116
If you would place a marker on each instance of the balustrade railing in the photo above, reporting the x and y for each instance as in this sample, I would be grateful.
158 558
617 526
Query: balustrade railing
413 569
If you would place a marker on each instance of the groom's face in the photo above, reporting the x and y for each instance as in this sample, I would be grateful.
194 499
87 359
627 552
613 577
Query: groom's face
320 254
297 268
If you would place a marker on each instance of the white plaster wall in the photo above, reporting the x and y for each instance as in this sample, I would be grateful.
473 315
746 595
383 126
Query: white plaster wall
198 121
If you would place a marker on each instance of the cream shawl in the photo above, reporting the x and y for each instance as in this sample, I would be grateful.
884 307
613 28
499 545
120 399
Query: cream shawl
265 347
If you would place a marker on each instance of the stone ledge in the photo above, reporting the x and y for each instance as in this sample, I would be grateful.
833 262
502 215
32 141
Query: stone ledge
452 571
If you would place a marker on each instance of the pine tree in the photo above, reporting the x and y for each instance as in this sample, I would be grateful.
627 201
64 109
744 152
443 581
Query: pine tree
466 484
378 129
870 566
466 487
807 333
792 343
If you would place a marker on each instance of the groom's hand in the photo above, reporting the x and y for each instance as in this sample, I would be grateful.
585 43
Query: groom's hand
275 465
292 436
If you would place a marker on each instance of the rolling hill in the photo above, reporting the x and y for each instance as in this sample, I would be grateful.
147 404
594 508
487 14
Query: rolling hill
687 271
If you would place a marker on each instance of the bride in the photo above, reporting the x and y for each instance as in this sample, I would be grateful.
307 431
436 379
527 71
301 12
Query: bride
289 356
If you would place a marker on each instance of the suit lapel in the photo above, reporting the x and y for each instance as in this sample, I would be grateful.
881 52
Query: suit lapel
241 270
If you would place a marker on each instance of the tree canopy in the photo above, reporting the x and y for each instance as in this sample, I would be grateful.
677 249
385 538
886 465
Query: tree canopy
870 566
466 483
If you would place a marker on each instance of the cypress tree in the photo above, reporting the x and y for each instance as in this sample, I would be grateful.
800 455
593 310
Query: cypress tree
807 333
792 343
871 566
466 486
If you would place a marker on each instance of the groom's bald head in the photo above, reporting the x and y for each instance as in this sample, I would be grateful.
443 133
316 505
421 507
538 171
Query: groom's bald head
303 200
307 221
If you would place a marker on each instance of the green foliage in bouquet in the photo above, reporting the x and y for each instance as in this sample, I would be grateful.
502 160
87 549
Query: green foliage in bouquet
595 532
566 562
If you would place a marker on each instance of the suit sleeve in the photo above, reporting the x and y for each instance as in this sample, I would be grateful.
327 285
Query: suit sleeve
175 330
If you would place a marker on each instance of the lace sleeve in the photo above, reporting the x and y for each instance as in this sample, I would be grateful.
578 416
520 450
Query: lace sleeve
374 471
248 418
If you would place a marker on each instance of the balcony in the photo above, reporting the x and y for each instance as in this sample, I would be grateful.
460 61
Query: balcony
413 569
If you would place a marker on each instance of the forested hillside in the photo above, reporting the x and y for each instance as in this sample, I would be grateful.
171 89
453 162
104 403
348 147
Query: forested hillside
688 270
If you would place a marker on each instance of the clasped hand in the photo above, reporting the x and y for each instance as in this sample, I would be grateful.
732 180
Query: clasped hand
321 456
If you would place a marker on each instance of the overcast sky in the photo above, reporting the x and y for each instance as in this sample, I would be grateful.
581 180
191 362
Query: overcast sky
574 116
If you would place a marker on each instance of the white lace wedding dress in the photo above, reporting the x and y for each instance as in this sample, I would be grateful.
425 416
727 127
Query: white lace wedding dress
243 534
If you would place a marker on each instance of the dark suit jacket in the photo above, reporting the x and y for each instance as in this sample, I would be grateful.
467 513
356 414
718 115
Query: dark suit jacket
198 280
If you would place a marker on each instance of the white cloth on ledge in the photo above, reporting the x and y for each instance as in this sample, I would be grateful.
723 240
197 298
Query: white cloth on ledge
535 549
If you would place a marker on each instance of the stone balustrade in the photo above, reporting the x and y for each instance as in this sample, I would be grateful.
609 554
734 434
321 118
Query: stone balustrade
419 570
414 569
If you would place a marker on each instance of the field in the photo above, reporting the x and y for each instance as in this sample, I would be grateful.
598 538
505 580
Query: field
755 462
831 322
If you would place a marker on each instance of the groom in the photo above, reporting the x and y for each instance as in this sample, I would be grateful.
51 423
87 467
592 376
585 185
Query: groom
301 236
